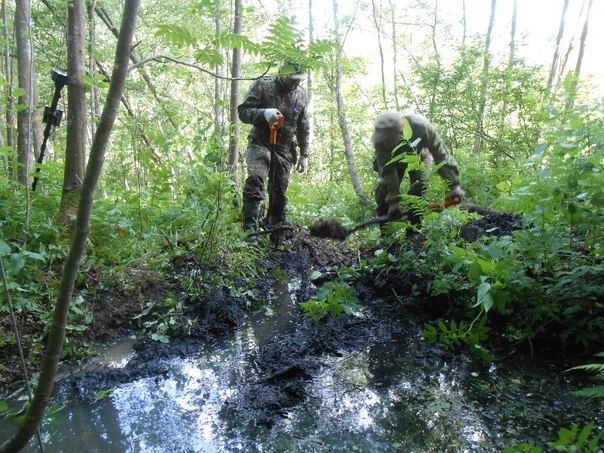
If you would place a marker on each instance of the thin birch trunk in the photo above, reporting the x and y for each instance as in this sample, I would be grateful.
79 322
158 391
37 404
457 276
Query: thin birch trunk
436 81
25 68
554 65
512 49
394 57
9 108
310 77
343 121
573 94
478 132
56 336
377 21
218 110
234 117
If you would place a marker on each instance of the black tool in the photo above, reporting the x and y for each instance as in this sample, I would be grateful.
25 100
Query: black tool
52 118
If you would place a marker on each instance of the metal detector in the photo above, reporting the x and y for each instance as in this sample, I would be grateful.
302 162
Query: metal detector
52 118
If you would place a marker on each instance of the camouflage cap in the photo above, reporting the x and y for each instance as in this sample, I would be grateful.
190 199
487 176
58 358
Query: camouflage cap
292 70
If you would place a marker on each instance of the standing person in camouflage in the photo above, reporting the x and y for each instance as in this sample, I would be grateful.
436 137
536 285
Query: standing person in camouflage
388 135
267 99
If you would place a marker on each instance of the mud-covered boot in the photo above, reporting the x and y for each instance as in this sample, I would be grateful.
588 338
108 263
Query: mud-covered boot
250 217
276 218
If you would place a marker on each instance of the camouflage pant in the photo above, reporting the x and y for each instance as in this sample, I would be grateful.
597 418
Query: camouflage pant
387 193
258 159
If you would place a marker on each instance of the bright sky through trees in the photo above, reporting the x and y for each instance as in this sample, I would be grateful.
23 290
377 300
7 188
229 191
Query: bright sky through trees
537 27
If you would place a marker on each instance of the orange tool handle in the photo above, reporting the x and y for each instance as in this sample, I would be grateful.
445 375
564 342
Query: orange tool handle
451 201
274 127
447 202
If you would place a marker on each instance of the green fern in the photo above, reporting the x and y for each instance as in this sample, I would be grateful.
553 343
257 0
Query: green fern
598 370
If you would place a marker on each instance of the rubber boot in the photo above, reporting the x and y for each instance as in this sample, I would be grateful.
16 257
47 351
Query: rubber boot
250 216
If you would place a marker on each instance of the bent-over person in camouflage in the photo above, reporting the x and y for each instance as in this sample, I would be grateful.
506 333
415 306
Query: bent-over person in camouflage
387 135
267 99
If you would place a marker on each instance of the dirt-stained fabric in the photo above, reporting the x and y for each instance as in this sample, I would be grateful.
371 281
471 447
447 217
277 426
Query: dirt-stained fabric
271 92
388 143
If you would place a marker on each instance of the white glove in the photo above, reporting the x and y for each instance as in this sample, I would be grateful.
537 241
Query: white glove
271 116
302 164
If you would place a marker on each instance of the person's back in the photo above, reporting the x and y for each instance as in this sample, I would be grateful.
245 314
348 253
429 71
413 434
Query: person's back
388 142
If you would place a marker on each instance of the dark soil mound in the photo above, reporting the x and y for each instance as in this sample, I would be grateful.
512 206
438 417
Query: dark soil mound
495 224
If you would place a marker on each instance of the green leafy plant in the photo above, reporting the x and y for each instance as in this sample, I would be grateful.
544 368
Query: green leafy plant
598 370
459 334
333 299
161 319
570 440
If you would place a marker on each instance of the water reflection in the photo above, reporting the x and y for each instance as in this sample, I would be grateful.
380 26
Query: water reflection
394 396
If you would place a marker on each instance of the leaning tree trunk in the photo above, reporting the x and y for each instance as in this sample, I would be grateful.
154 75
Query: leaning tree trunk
572 95
554 66
56 335
342 120
25 75
76 115
95 107
234 118
482 101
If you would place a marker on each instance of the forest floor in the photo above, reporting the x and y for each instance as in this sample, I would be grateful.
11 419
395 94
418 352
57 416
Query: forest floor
287 363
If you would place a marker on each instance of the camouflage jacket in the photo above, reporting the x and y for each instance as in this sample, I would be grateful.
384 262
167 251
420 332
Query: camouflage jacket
269 92
388 132
422 128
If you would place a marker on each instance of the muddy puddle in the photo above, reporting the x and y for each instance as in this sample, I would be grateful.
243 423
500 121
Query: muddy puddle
278 383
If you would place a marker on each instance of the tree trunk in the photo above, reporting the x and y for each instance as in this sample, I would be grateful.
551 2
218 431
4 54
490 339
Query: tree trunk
464 23
10 108
553 67
56 335
218 110
95 107
573 92
436 81
342 120
234 117
513 34
25 75
310 79
483 89
583 39
512 47
76 115
377 20
394 57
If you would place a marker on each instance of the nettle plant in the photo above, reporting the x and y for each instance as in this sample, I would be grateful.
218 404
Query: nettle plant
333 299
547 277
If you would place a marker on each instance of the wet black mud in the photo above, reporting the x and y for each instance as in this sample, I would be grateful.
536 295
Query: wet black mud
515 400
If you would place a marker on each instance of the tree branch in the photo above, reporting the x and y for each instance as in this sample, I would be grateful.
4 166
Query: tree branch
161 58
